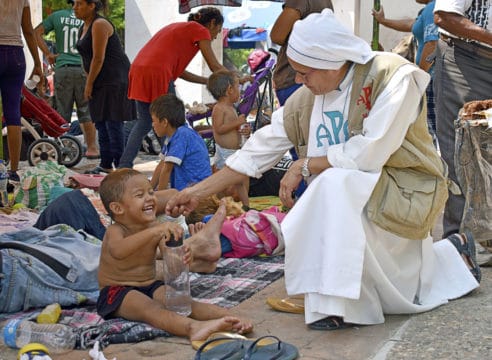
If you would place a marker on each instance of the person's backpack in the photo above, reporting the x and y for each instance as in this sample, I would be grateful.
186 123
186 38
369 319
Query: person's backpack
41 267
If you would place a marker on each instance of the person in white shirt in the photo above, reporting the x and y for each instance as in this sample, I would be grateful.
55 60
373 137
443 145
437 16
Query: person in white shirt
349 269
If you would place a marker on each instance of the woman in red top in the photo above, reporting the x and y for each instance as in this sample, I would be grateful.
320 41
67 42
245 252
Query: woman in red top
161 61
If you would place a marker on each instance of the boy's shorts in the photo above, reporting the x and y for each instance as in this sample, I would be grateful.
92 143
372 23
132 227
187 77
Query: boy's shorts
111 297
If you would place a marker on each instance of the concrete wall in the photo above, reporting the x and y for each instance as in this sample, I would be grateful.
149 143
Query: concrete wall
143 18
36 18
356 14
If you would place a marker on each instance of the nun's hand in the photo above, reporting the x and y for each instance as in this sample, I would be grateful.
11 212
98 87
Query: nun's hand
289 183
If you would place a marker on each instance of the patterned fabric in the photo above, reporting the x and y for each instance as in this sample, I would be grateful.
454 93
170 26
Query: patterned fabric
186 5
16 220
478 14
234 281
473 162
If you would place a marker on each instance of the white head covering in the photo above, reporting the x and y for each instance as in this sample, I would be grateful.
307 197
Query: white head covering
320 41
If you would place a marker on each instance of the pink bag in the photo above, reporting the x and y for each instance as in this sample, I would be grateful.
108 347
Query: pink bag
90 181
254 233
257 58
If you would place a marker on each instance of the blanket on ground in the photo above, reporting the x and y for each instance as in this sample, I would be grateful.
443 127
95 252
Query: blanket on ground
234 281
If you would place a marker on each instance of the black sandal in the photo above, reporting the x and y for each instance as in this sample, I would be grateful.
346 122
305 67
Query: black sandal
97 170
465 244
329 323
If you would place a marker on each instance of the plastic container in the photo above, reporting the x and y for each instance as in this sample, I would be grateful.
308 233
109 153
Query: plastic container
58 338
32 82
244 138
177 277
33 351
4 178
50 314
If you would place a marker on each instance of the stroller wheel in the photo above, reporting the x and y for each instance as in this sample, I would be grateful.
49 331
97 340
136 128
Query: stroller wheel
71 150
43 150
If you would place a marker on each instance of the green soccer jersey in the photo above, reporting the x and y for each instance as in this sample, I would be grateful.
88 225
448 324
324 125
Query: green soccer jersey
66 27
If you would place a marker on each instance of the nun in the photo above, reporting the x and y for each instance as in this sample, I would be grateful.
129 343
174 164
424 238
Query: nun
357 242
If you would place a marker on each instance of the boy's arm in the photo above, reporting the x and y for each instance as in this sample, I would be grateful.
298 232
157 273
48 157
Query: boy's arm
165 175
223 122
121 246
154 181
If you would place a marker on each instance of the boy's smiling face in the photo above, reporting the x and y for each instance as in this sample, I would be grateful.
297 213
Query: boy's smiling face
138 204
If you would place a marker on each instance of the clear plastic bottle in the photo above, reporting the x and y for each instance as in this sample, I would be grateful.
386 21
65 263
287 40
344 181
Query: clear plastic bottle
58 338
244 138
4 198
177 277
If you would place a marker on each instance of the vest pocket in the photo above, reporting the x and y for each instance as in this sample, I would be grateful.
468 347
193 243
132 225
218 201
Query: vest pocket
403 198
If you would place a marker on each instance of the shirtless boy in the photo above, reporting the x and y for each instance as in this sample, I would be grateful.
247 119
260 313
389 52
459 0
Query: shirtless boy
127 276
227 124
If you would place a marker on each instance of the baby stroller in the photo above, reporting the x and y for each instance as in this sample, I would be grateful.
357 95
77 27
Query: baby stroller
259 93
46 138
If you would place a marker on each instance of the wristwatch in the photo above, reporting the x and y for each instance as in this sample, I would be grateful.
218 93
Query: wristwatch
305 169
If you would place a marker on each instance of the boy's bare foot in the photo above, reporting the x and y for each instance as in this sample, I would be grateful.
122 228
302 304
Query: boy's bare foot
205 244
201 330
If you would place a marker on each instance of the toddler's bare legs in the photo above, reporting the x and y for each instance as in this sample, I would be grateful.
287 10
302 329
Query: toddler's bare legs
204 320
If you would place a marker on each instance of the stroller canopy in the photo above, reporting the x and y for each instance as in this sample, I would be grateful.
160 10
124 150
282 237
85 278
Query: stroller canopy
244 37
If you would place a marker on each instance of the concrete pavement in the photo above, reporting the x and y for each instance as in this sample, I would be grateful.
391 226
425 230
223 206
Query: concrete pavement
455 331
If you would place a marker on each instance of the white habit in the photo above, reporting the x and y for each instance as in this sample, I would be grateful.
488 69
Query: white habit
343 263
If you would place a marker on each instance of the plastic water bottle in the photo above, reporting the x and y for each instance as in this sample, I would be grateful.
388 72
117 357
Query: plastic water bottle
4 197
58 338
32 82
243 137
177 278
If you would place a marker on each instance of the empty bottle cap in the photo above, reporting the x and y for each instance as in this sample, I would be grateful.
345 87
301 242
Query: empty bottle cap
173 242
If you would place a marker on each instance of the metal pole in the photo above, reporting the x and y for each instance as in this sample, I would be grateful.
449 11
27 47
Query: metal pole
375 28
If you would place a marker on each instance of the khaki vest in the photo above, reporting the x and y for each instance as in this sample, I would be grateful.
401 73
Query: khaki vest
412 189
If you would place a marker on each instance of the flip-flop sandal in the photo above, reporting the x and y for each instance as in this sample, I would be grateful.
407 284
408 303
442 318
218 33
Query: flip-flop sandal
223 349
226 336
289 305
329 323
467 249
97 170
266 347
279 350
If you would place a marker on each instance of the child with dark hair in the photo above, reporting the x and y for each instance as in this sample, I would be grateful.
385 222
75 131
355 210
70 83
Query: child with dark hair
184 155
228 125
127 275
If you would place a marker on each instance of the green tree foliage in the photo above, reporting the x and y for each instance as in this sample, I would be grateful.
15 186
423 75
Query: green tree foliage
115 13
238 57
